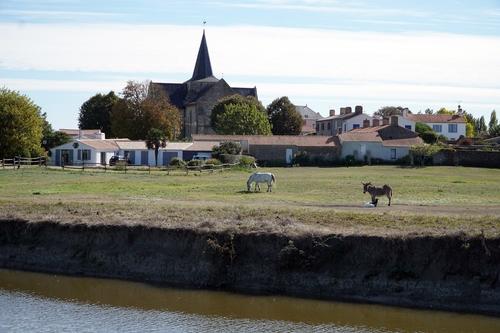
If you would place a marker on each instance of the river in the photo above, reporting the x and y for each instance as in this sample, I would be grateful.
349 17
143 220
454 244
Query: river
34 302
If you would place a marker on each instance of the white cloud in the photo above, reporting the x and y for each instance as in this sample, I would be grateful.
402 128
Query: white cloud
421 67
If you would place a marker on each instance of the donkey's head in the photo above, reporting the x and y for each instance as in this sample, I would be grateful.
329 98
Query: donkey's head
365 186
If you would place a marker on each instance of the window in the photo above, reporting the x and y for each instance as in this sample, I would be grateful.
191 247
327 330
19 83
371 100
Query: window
345 127
452 128
322 126
86 155
437 128
317 127
354 126
393 154
329 125
408 127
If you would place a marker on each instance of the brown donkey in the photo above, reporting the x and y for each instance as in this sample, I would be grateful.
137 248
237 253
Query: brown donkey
377 192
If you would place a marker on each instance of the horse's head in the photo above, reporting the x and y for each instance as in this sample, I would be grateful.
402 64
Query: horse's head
365 186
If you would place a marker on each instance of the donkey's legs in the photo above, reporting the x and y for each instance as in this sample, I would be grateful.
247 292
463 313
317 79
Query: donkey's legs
389 196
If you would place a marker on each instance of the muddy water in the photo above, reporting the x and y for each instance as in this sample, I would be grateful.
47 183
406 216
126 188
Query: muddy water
48 303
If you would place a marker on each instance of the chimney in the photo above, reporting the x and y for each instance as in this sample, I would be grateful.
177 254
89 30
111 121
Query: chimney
405 113
385 121
358 109
376 122
366 123
332 112
348 110
342 111
394 120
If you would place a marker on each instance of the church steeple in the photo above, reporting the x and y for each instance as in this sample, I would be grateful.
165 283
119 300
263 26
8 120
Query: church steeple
203 68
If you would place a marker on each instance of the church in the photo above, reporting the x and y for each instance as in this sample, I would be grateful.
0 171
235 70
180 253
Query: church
196 97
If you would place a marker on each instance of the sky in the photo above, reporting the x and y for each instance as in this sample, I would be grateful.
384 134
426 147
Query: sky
322 53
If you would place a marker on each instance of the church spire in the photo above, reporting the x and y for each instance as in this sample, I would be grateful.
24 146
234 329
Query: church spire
203 68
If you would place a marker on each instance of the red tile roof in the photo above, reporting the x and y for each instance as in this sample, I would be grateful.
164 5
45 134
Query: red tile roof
393 136
436 118
277 140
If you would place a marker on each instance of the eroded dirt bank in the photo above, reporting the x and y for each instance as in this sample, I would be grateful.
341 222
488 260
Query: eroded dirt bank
448 272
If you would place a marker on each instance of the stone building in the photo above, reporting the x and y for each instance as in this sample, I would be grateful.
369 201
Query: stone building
196 97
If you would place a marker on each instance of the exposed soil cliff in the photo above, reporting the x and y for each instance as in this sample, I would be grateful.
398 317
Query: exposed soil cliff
448 272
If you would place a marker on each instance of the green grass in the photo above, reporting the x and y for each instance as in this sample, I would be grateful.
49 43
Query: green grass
432 199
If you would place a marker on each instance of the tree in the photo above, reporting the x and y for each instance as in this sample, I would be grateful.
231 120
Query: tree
388 111
481 126
51 138
284 118
494 131
241 119
142 107
426 133
445 111
429 111
493 119
236 99
95 113
156 139
21 125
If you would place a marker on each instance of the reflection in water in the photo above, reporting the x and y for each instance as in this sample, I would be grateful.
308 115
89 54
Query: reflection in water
33 300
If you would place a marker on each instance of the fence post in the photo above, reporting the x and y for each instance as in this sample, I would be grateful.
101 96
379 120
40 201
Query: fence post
3 163
149 169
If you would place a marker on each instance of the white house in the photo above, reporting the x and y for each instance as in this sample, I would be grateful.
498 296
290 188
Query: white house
309 118
77 152
344 122
97 151
385 142
450 126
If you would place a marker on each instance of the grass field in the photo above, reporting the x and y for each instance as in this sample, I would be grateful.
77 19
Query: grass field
321 200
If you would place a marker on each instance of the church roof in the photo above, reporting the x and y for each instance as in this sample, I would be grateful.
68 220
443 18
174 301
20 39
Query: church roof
203 68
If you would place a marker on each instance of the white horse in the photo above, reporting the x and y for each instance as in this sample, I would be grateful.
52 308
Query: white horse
261 177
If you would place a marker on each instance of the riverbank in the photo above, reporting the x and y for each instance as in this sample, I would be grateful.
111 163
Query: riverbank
456 272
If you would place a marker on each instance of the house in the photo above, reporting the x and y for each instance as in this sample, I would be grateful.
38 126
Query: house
200 150
309 119
387 142
343 122
99 152
279 149
196 97
450 126
79 151
84 133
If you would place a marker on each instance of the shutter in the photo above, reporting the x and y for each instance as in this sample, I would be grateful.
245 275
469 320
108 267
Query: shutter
79 155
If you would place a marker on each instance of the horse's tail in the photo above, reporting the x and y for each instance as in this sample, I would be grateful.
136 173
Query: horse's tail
273 178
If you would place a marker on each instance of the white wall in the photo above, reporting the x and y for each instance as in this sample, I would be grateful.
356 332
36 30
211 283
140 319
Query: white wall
403 122
373 149
446 133
349 123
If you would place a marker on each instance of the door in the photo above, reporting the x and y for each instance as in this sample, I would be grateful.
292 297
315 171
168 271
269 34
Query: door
144 157
67 156
58 157
103 158
289 155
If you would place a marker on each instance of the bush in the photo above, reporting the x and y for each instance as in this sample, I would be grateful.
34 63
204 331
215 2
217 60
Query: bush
195 163
227 147
429 137
177 162
422 154
302 159
230 159
247 161
213 161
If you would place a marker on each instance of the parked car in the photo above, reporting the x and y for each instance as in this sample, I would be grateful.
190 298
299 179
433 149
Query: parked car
115 159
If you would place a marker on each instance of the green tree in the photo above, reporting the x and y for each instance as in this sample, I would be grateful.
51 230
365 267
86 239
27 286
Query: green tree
21 125
95 113
494 131
493 119
429 111
481 126
284 118
426 133
445 111
156 139
142 107
236 99
241 119
388 111
51 138
227 147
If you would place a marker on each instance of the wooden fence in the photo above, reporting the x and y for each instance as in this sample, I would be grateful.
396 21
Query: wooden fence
18 162
207 168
